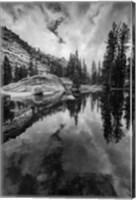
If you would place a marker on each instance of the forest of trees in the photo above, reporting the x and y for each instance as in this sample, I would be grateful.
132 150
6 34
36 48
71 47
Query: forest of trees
96 73
115 60
6 71
19 72
76 70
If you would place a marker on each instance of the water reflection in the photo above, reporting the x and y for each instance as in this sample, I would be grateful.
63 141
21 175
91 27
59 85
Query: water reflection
114 106
75 107
112 110
61 149
127 109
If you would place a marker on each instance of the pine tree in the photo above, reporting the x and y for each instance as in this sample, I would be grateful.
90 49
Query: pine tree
99 68
121 61
84 72
7 71
16 73
94 73
99 73
70 67
31 69
23 72
76 66
110 55
80 71
36 68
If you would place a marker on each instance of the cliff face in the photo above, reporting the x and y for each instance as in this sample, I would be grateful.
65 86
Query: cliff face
21 53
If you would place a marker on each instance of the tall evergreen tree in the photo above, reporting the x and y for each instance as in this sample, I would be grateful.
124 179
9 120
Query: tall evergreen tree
119 69
94 73
23 72
99 74
7 71
84 72
99 68
110 55
31 69
17 73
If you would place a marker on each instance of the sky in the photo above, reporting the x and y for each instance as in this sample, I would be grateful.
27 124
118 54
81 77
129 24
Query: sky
60 28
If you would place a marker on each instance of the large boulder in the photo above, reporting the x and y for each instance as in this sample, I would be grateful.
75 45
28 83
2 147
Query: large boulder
36 84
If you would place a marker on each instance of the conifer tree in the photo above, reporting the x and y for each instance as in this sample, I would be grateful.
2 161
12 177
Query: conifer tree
31 69
94 73
7 71
17 73
109 58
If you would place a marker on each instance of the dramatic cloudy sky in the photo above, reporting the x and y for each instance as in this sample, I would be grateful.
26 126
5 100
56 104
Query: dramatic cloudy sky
61 28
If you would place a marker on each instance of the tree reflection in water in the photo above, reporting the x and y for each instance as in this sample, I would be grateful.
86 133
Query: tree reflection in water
112 106
76 106
127 109
49 176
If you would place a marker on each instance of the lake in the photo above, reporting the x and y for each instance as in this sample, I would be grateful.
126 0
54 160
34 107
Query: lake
78 147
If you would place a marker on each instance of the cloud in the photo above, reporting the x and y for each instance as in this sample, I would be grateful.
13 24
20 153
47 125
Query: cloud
53 25
59 28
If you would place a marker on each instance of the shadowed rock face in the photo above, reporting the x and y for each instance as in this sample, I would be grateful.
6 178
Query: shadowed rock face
46 83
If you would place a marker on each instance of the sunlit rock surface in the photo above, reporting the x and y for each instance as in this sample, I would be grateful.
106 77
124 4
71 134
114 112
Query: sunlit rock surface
44 84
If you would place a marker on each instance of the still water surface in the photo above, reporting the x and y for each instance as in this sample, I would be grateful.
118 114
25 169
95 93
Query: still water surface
79 147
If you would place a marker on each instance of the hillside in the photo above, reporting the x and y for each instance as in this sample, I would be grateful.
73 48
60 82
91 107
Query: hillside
21 53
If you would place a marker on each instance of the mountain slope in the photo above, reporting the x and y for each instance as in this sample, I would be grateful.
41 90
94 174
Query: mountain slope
21 53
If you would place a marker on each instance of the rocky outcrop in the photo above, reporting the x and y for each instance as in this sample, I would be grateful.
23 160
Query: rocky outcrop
32 85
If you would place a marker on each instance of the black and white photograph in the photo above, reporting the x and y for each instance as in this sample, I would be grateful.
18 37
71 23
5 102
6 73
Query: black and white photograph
67 99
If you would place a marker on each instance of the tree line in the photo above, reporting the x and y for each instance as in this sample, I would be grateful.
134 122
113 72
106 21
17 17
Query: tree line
19 72
76 69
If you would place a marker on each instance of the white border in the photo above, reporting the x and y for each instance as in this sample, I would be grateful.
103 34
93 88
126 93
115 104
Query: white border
18 198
